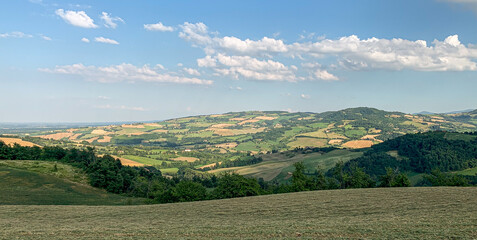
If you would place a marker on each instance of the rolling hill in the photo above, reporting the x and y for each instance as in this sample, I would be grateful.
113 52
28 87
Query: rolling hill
199 141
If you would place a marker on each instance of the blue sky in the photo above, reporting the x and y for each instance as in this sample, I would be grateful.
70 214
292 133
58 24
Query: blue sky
97 61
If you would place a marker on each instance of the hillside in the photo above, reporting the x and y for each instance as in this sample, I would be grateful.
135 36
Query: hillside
405 213
50 183
264 131
199 142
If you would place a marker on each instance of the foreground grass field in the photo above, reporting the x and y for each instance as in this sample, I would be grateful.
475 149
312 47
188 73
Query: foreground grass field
411 213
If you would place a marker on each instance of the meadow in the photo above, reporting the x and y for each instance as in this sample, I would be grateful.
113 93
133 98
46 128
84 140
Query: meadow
380 213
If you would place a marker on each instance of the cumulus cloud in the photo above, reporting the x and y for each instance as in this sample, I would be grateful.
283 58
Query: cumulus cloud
252 68
110 22
106 40
15 35
158 27
76 18
349 52
85 40
192 71
123 73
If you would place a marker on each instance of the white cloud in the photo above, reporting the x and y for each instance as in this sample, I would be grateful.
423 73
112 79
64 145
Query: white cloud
121 107
104 98
236 88
45 38
158 27
252 68
106 40
15 35
349 52
78 19
123 73
110 22
305 96
192 71
85 40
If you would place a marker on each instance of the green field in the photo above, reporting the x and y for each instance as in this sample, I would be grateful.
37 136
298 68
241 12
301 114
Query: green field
381 213
322 162
277 165
468 172
23 187
143 160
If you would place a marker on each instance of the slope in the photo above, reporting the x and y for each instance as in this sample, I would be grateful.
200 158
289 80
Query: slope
383 213
36 182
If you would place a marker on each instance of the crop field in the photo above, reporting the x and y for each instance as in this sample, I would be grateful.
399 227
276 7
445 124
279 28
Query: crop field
382 213
11 141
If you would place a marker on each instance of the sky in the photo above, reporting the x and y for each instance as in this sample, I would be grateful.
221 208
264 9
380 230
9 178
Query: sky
110 61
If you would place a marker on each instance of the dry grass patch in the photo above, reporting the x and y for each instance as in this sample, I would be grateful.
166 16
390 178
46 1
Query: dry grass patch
153 125
128 162
132 126
209 165
57 136
358 144
265 118
248 121
100 132
12 141
335 141
187 159
237 119
222 125
232 132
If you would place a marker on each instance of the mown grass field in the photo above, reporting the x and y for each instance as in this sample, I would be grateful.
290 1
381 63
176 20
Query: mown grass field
406 213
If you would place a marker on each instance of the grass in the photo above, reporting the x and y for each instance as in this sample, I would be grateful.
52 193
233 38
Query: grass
62 171
382 213
22 187
169 170
143 160
468 172
276 166
323 162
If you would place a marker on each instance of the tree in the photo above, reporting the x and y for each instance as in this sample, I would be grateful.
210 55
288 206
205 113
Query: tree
186 191
234 185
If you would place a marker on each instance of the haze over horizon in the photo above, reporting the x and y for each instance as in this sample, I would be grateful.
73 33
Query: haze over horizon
109 61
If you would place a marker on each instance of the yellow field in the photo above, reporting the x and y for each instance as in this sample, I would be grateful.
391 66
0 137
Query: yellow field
358 144
57 136
187 159
12 141
127 162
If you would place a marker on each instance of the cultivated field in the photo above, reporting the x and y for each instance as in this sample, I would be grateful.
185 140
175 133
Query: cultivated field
406 213
12 141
